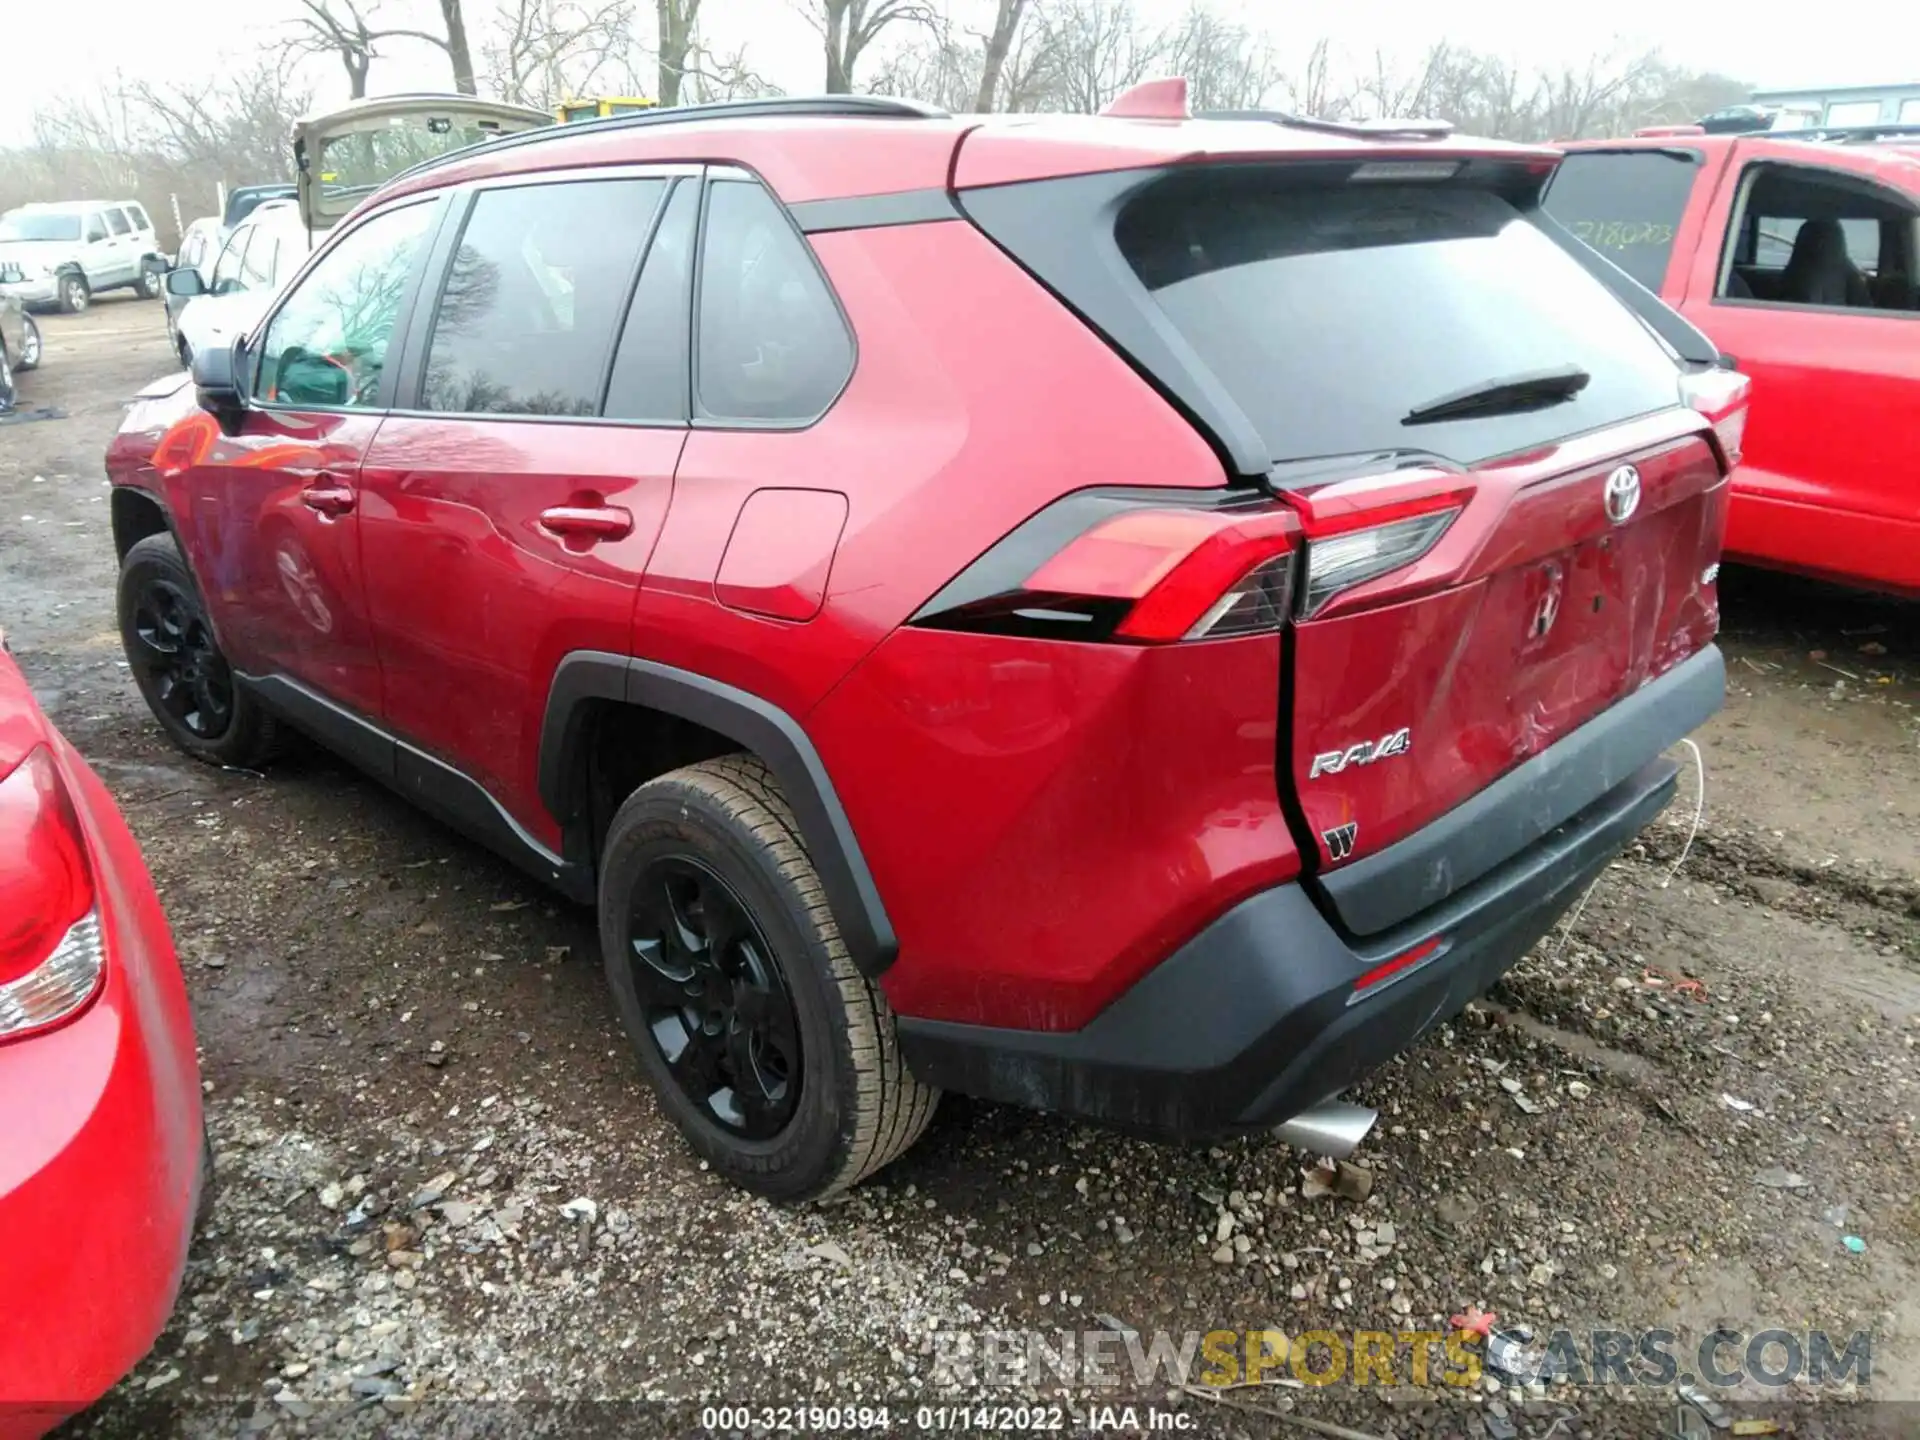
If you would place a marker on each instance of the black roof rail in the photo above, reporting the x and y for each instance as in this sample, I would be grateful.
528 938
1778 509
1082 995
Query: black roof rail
1357 129
846 107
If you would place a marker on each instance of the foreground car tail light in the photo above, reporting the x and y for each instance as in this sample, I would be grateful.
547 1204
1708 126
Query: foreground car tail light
1363 545
1146 576
1721 396
51 956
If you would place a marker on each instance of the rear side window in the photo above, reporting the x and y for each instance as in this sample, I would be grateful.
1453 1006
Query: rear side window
772 347
1627 204
1332 313
118 221
535 290
649 379
139 218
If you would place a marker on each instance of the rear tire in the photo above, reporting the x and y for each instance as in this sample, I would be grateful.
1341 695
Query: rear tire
6 380
178 664
721 950
148 285
75 294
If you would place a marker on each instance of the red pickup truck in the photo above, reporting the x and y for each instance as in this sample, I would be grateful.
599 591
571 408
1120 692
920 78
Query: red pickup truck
1798 258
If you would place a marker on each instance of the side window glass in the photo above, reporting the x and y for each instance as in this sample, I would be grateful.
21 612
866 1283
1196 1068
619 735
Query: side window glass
771 344
533 294
650 371
117 219
328 343
96 229
1808 237
139 218
227 270
256 268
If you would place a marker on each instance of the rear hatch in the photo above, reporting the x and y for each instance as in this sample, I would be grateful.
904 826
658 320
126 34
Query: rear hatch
344 155
1511 513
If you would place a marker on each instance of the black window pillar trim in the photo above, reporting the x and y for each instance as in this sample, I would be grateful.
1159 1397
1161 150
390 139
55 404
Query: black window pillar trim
758 726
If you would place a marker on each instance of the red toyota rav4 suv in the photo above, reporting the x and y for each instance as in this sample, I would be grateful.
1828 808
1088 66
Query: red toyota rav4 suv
1136 615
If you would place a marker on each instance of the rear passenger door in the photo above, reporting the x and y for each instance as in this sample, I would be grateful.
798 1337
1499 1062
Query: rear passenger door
123 262
509 506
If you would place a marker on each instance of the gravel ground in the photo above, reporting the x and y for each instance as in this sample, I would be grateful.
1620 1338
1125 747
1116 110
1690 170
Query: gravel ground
447 1204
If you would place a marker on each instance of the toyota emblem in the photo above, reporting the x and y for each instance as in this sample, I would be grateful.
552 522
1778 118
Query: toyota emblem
1622 494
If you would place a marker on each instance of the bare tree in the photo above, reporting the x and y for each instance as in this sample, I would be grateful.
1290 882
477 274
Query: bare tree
848 29
337 28
1227 66
679 24
1099 49
548 50
454 42
999 41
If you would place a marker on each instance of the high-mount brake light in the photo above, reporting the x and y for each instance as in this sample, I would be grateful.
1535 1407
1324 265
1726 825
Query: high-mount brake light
1406 170
51 955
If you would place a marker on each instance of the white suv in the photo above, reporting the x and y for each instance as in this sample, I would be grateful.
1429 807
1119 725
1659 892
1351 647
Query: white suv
73 249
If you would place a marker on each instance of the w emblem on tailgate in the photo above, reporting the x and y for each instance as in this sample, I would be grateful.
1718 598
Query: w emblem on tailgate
1340 839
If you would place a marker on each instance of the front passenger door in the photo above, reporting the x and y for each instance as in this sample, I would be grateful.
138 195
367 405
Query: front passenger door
272 510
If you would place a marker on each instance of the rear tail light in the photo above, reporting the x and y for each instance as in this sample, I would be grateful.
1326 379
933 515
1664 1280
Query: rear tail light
1146 576
1350 545
1721 396
51 955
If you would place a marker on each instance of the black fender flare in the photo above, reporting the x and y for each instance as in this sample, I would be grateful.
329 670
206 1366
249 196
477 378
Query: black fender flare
758 726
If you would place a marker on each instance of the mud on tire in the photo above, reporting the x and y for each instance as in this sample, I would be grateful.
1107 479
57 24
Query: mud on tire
725 829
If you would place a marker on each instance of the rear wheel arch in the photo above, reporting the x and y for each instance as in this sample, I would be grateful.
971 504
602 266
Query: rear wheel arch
639 720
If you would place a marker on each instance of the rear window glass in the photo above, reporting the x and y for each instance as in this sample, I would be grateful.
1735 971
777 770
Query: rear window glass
1330 314
1626 204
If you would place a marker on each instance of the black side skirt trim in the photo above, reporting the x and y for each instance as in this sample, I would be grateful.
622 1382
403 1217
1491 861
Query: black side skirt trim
439 789
1385 888
871 212
755 724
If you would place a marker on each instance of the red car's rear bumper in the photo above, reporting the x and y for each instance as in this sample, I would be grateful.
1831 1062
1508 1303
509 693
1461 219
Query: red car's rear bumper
100 1146
1873 552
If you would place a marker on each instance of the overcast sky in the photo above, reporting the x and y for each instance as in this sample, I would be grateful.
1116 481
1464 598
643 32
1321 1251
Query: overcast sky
80 46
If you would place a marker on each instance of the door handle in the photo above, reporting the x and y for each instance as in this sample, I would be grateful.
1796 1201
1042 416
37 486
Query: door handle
329 497
588 522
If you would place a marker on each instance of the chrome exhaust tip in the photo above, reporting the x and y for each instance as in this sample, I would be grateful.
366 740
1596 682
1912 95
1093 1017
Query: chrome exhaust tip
1332 1128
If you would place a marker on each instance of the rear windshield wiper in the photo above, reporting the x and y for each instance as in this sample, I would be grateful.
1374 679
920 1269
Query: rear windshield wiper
1530 391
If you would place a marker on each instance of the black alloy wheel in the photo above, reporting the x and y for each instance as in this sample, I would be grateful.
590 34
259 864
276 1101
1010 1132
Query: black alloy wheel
715 999
176 650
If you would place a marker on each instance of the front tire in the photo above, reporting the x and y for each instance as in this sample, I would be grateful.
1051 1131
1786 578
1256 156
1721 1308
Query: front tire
178 664
773 1055
30 345
75 294
6 380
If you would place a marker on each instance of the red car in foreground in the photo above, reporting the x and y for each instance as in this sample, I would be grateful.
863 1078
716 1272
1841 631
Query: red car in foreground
1798 258
101 1149
1141 615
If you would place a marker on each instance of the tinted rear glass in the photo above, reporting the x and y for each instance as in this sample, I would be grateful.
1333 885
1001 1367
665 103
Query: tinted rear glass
1331 312
1626 204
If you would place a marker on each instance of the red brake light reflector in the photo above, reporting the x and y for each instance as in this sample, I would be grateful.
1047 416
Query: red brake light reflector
1399 966
1721 396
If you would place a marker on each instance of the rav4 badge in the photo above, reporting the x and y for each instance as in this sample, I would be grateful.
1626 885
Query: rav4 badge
1365 753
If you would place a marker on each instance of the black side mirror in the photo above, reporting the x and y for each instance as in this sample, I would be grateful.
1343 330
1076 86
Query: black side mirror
185 282
217 372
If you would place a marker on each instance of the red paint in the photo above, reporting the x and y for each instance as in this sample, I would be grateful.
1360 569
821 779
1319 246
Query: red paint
780 554
1044 820
1830 480
1458 664
100 1149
